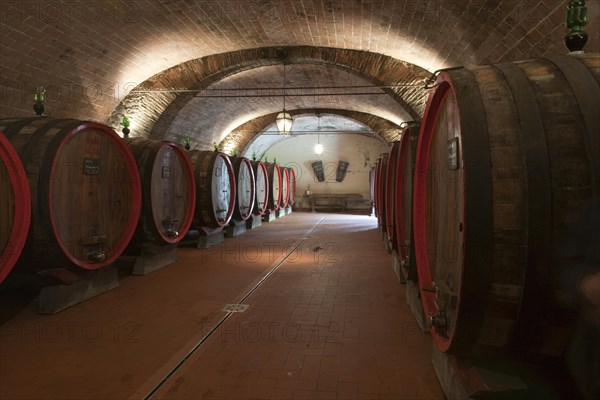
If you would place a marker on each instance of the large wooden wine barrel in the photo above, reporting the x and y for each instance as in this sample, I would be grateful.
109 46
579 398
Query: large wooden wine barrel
275 184
15 207
403 202
391 192
168 190
245 188
376 174
372 189
285 187
261 178
377 204
292 178
508 154
215 189
381 194
85 191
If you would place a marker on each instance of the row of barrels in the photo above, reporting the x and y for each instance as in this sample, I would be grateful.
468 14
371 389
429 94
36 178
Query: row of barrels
74 194
482 198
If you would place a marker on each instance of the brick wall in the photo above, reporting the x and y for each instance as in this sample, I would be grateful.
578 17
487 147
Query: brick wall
211 115
91 53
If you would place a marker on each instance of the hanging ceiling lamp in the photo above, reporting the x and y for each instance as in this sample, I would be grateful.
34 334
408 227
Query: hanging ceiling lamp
318 146
284 119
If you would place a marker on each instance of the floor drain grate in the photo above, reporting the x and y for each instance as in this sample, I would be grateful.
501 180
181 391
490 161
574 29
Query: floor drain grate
236 307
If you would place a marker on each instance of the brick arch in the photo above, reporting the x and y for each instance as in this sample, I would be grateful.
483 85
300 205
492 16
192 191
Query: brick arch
153 113
242 136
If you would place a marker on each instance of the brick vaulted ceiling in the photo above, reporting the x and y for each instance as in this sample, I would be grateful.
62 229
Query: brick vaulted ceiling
95 56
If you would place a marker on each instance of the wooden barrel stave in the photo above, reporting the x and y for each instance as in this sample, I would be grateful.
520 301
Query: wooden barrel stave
15 207
583 77
85 191
215 189
574 173
515 199
245 188
261 176
590 61
169 190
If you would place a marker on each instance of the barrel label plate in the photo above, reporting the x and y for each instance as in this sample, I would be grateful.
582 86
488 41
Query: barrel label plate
453 153
91 166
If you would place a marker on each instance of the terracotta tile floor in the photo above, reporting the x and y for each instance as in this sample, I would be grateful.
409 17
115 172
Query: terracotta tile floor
331 322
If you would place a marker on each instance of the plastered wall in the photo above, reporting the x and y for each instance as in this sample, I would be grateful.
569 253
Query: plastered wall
360 151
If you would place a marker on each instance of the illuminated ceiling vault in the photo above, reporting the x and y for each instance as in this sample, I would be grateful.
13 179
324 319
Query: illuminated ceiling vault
104 59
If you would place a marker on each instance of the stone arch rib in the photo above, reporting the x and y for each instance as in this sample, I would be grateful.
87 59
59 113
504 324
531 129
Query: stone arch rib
153 113
243 135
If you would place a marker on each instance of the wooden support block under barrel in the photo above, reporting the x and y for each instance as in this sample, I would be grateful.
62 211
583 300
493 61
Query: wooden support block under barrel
76 287
235 228
269 216
152 260
497 378
210 237
254 222
462 378
281 213
203 238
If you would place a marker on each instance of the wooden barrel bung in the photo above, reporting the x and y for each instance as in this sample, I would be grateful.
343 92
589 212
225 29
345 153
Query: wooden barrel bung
245 188
403 205
261 176
85 191
508 154
292 176
215 189
168 190
275 185
15 207
285 187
